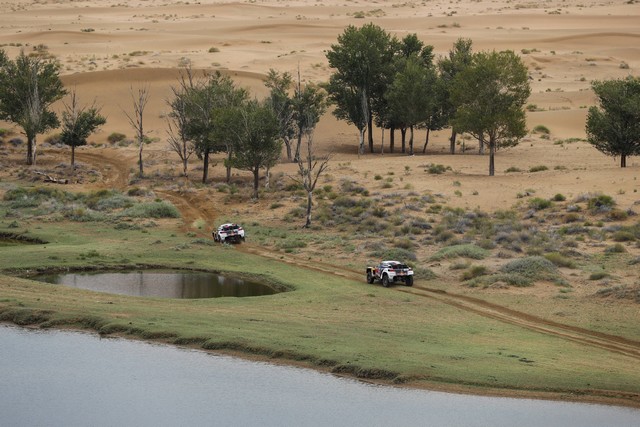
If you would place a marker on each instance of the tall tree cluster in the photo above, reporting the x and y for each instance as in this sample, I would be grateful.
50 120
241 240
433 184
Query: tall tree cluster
396 84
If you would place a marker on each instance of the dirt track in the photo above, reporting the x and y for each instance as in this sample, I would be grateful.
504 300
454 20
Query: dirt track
116 171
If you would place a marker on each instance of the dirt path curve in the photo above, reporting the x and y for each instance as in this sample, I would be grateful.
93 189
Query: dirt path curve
115 170
587 337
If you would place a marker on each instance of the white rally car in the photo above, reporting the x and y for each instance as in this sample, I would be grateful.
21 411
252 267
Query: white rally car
229 233
388 272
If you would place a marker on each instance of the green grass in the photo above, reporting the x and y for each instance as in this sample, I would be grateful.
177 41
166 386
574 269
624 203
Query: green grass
326 320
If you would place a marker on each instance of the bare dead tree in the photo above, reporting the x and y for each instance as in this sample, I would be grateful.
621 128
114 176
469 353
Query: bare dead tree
310 167
139 102
178 121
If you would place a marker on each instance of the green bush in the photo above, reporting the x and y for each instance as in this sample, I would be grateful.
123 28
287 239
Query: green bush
473 272
559 198
600 201
623 236
538 168
534 267
618 248
465 251
162 209
116 137
513 169
598 275
437 169
538 204
541 129
560 260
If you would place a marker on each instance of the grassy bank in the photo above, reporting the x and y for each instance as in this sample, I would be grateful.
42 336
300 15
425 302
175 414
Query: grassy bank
345 326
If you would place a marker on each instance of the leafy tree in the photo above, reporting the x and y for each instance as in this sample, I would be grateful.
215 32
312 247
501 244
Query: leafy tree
253 130
282 106
460 57
139 103
613 127
28 87
363 59
205 99
491 94
411 95
78 122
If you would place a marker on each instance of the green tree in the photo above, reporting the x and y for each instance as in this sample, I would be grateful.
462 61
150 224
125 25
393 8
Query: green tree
78 122
363 60
253 129
491 94
411 95
178 121
613 127
206 98
282 105
459 58
28 87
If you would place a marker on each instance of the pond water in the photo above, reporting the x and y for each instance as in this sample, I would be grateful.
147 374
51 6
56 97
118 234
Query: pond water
58 378
162 284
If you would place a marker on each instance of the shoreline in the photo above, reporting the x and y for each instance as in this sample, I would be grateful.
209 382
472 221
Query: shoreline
566 396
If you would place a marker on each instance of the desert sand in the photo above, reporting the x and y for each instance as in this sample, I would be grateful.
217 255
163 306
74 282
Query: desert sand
108 48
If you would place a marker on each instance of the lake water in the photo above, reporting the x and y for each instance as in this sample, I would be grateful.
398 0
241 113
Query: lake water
58 378
160 284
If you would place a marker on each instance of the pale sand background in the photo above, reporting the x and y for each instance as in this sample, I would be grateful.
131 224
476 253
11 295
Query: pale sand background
145 42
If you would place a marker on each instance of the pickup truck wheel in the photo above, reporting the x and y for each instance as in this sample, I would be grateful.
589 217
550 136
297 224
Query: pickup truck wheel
409 281
369 277
385 280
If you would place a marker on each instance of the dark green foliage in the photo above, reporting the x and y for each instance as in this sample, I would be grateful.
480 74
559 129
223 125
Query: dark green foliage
559 198
613 127
29 85
539 204
491 94
78 123
116 137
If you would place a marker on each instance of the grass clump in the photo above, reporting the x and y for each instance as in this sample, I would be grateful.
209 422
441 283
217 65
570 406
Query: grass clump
560 260
435 169
464 251
116 137
157 209
538 168
539 204
473 272
521 273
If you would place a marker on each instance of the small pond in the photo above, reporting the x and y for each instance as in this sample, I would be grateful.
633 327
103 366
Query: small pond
160 284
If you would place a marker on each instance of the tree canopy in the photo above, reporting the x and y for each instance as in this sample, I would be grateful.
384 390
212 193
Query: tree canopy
78 122
491 94
28 87
613 127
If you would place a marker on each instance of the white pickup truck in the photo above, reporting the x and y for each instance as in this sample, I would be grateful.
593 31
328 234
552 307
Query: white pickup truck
388 272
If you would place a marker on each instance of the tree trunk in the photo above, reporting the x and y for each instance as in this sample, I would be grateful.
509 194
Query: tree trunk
229 167
403 134
492 150
256 182
73 157
309 204
297 156
30 144
411 140
623 161
392 138
382 143
370 134
140 157
205 170
426 141
452 142
185 166
287 143
361 142
481 145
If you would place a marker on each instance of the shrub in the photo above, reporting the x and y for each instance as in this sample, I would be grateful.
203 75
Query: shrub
473 272
437 169
559 198
214 50
615 249
162 209
539 204
623 236
598 275
465 251
538 168
395 254
617 215
600 201
534 267
560 260
541 129
116 137
513 169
